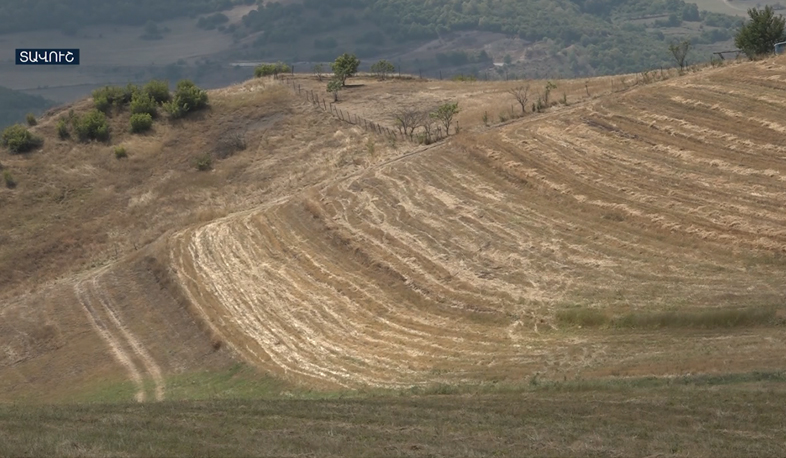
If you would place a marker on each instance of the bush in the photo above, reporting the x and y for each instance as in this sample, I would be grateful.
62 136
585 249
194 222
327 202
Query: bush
31 121
129 92
382 68
120 152
203 162
106 97
10 182
143 103
62 129
92 126
195 97
141 122
175 108
101 103
158 90
20 140
271 69
188 97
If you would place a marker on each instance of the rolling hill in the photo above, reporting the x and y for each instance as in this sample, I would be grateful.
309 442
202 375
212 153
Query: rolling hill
634 230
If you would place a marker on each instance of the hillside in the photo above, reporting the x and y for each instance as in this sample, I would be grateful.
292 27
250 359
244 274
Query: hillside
632 232
15 105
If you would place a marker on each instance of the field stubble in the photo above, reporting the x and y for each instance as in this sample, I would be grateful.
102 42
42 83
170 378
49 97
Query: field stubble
328 266
453 264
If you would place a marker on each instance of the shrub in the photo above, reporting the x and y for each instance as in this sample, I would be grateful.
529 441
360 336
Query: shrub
129 92
188 97
62 129
158 90
141 122
271 69
92 126
203 162
31 121
10 182
106 97
175 108
143 103
230 144
195 97
382 68
101 103
120 152
20 140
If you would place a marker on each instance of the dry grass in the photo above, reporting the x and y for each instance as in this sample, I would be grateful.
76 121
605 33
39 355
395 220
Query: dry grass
658 206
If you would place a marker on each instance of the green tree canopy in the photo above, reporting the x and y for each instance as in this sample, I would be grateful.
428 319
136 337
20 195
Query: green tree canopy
382 68
345 66
759 35
334 86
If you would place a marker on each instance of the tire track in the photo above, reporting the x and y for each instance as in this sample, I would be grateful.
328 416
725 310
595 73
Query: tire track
139 349
111 340
124 345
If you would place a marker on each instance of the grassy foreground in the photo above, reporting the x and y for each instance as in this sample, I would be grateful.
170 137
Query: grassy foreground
730 415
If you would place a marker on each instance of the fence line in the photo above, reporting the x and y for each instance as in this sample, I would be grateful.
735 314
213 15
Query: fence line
344 116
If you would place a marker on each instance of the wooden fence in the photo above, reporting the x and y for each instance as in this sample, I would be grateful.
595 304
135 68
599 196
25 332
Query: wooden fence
339 113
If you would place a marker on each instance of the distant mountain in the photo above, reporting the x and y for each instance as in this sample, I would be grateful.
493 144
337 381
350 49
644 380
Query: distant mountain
71 15
15 105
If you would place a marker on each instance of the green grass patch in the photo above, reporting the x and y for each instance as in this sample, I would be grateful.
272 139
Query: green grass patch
706 319
238 382
582 316
702 319
632 417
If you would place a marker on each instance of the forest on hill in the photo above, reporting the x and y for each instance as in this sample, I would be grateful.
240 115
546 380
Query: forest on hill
586 37
580 37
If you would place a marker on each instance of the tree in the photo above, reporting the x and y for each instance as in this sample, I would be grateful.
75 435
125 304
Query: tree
408 119
680 52
759 35
691 13
334 85
271 69
318 69
521 95
345 66
382 68
445 114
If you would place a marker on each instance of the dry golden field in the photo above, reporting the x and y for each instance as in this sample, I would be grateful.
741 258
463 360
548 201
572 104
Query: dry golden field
636 230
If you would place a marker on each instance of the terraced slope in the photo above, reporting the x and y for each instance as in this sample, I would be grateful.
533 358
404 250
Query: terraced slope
456 263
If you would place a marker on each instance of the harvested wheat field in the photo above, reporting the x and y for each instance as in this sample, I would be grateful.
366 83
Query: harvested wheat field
654 215
635 230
